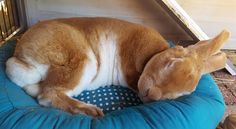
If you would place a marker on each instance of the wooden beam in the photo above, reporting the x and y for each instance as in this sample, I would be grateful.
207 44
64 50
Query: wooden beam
189 26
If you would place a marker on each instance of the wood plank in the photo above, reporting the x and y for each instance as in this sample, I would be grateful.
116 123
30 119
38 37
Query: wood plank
138 11
183 19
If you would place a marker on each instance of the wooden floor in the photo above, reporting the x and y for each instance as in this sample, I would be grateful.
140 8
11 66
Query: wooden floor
227 85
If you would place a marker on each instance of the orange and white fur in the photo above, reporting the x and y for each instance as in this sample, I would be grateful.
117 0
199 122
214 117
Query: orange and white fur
57 59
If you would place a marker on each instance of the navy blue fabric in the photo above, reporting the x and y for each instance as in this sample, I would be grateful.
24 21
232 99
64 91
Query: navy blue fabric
110 98
203 109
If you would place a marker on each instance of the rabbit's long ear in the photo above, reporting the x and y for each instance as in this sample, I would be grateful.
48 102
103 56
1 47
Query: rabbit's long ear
214 63
210 47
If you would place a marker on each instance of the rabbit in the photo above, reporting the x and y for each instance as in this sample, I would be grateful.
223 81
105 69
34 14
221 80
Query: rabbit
57 59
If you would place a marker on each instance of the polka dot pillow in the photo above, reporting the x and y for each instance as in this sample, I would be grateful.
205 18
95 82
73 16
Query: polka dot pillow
110 98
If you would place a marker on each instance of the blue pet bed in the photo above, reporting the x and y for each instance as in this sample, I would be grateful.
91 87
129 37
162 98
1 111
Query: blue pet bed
203 109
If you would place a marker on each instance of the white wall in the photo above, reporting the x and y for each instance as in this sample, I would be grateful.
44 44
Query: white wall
213 16
145 12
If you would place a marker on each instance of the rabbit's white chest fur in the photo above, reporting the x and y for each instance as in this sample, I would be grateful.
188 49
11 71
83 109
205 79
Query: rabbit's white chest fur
109 72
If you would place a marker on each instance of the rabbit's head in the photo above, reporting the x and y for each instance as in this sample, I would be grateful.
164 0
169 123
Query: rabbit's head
176 71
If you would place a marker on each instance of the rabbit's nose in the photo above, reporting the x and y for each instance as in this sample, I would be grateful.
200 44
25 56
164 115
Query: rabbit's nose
143 95
146 99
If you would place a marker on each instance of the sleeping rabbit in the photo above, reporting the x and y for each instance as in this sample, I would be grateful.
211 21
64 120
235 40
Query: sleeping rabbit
58 59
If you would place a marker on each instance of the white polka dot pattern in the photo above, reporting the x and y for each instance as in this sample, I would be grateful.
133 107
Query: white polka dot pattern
110 98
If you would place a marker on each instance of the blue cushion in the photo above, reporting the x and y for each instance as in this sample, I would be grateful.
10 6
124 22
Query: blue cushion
203 109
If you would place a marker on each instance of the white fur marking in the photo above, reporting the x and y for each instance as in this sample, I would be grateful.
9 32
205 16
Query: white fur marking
182 94
23 75
172 63
110 68
28 76
41 68
32 90
44 101
20 74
